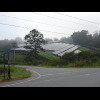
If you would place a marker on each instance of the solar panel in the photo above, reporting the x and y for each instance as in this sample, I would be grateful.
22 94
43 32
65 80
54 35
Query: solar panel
70 50
54 46
58 48
63 49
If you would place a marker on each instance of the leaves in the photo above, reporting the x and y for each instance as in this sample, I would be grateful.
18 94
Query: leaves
34 40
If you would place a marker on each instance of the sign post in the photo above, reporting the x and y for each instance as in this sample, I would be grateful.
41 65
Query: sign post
4 53
7 56
4 66
9 77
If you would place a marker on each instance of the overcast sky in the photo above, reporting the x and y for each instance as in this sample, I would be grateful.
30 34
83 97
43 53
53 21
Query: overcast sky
63 24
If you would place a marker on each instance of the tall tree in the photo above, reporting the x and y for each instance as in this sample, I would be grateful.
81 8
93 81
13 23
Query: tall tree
96 39
34 40
82 37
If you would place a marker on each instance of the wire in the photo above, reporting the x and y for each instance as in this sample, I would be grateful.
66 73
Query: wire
78 18
62 19
30 28
37 22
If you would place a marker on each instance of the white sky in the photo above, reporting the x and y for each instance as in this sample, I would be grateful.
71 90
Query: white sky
8 32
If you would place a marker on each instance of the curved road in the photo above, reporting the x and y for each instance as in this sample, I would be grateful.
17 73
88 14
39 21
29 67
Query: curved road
58 77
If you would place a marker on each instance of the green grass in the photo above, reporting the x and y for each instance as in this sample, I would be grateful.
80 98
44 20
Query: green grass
16 73
48 55
83 49
19 59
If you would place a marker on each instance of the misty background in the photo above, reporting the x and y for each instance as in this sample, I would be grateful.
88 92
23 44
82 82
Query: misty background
49 21
65 27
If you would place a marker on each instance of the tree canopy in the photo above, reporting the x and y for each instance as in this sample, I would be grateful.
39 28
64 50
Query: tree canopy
83 37
34 40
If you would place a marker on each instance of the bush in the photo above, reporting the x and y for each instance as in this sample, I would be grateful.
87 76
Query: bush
83 58
58 62
12 69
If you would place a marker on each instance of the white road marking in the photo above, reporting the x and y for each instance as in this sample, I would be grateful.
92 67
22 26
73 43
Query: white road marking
34 78
39 76
24 81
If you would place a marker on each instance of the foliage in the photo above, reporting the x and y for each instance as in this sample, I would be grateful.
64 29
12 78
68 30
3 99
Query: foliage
84 38
7 44
83 58
34 40
66 40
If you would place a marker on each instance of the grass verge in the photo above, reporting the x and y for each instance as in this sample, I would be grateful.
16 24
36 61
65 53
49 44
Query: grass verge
17 73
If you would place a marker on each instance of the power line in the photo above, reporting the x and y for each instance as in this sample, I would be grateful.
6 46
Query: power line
78 18
29 28
37 22
62 19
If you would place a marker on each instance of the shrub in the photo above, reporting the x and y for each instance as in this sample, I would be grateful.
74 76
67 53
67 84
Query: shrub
83 58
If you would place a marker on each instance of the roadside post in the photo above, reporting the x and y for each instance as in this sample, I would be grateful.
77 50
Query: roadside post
4 66
7 55
9 76
4 53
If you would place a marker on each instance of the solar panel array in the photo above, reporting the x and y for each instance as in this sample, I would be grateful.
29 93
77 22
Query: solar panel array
63 49
60 48
57 48
54 46
69 50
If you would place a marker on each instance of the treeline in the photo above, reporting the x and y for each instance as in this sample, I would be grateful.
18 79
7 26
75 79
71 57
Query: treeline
61 40
84 38
8 44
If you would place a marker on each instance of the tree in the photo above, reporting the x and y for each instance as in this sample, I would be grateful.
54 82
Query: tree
82 37
48 40
34 40
18 40
55 39
96 39
66 40
7 44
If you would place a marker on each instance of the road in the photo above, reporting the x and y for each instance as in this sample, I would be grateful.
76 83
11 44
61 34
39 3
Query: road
58 77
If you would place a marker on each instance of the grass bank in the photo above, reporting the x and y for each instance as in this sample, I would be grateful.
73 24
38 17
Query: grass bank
16 73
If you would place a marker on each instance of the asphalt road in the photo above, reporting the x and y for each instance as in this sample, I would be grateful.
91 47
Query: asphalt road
58 77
